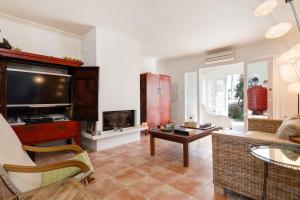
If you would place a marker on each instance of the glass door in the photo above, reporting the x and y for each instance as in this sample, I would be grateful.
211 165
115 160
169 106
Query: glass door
221 92
217 96
258 89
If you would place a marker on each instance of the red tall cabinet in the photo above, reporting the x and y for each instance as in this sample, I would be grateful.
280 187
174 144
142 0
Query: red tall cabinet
155 99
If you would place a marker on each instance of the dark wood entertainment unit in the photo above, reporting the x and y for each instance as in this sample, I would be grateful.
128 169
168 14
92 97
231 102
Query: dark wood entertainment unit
84 97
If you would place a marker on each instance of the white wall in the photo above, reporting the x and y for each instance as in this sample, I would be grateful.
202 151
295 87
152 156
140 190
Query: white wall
118 57
119 60
285 102
89 48
39 39
148 64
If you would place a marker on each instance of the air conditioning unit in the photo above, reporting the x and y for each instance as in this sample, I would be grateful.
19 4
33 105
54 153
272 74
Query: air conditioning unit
218 56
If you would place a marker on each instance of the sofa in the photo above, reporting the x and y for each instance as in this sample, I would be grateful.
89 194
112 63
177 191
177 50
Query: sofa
235 169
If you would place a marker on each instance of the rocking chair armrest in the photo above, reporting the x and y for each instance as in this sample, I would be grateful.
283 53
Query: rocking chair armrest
36 169
71 147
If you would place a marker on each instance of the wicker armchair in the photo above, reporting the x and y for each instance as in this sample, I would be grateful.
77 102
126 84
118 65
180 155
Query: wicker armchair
235 169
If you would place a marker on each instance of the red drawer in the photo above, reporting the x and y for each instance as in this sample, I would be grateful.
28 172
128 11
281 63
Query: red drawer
39 133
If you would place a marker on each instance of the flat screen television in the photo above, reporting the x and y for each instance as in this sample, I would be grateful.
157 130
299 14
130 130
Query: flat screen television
29 88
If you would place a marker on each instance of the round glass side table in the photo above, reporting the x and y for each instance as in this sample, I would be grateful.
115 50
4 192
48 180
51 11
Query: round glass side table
287 156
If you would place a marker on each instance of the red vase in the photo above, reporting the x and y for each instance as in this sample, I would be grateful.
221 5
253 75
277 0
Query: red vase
257 99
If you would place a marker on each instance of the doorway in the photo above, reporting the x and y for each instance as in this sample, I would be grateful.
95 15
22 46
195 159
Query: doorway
259 75
221 91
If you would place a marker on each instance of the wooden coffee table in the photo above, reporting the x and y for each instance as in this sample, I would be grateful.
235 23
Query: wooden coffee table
183 139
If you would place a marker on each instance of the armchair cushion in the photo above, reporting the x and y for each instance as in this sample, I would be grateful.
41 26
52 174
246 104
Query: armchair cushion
60 174
11 152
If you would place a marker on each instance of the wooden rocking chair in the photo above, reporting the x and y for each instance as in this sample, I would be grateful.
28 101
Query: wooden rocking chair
21 174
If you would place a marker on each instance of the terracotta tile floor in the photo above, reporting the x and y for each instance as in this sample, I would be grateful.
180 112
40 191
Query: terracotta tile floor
128 172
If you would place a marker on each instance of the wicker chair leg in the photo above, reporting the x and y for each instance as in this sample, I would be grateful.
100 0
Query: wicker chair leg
219 189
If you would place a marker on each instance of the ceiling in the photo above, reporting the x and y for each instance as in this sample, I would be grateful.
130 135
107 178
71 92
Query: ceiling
165 28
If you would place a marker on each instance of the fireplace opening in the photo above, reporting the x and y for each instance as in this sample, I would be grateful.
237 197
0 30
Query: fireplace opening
118 119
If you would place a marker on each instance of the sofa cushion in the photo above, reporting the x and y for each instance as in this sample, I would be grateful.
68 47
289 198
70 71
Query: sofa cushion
290 127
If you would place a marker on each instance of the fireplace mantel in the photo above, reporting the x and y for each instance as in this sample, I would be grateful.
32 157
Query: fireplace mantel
108 134
109 139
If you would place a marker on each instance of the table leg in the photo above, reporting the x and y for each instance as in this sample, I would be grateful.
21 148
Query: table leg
265 189
152 145
185 154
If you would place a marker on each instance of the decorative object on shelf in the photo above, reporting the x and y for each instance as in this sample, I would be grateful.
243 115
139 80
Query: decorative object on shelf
16 49
3 42
73 59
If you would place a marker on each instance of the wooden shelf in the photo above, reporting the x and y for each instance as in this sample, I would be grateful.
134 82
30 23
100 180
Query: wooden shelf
10 54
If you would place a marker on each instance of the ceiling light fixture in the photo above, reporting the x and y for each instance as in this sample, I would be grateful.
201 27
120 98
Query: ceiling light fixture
278 30
265 8
291 56
290 72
